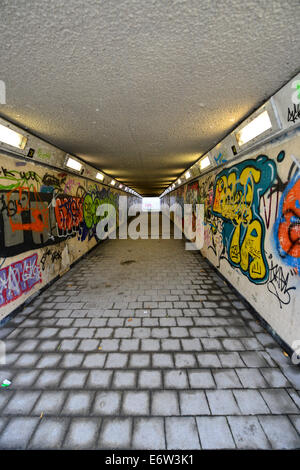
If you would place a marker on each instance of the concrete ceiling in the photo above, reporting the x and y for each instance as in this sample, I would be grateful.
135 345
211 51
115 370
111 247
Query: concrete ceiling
142 88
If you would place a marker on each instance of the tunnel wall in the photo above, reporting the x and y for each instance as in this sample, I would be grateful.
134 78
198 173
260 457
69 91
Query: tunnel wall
47 222
252 229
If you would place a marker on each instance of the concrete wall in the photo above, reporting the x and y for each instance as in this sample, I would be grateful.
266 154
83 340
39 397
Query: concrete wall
47 221
252 228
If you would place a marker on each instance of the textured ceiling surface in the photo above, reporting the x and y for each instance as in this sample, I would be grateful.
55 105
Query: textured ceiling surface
142 88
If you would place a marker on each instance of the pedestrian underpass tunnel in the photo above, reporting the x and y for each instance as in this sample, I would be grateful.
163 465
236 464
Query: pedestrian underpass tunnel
149 225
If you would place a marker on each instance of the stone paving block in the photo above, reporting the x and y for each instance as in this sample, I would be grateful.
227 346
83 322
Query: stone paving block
227 378
72 360
82 434
170 344
165 403
108 344
160 332
139 360
191 344
185 360
208 360
182 433
175 379
116 360
49 378
103 333
162 360
24 360
27 345
136 403
251 378
150 379
201 379
231 360
88 345
251 402
122 333
21 403
279 401
148 433
275 377
94 360
280 432
222 402
193 403
211 344
233 345
99 379
77 403
129 344
68 345
248 433
26 378
179 332
17 433
74 379
141 332
150 344
107 403
49 403
49 434
295 419
167 322
253 359
124 379
115 433
214 432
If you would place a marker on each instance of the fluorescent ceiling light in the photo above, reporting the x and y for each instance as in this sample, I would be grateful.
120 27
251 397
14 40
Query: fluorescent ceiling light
99 176
179 181
187 175
256 127
74 164
120 186
13 138
205 162
112 182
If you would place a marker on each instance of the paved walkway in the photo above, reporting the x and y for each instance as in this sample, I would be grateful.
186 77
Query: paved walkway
142 345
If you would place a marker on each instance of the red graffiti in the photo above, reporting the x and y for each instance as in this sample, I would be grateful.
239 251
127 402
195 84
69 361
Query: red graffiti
36 209
289 226
68 212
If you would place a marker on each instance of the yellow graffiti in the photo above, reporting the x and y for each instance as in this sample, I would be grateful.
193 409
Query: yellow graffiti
237 206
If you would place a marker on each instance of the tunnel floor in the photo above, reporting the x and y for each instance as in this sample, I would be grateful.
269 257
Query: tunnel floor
142 345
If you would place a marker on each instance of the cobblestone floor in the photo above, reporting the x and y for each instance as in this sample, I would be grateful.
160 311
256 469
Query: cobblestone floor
142 345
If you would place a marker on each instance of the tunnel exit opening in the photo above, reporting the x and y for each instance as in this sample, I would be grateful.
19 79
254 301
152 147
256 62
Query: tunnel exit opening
151 204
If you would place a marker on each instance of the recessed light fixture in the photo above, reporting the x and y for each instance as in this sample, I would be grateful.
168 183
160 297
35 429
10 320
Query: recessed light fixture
73 164
179 181
254 128
99 176
112 182
120 186
187 175
13 138
204 163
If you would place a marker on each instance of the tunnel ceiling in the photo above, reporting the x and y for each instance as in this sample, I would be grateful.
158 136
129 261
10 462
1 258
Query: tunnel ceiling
141 89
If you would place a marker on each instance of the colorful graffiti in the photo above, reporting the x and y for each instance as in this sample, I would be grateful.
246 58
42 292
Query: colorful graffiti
35 212
18 278
237 194
287 226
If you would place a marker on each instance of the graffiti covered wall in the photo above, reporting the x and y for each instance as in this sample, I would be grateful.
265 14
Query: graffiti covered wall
252 229
47 221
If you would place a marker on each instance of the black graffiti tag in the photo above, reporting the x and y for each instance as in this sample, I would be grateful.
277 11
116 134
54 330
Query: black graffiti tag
278 284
